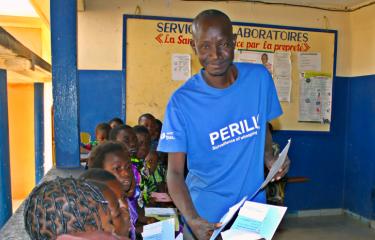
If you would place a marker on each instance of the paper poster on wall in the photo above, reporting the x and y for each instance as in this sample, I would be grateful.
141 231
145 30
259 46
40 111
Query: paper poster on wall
315 97
181 67
264 58
282 75
309 61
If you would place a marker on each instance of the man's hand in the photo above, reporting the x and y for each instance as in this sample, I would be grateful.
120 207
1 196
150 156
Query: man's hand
202 229
283 170
270 159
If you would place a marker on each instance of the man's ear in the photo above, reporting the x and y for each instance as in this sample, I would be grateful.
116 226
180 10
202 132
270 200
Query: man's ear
193 46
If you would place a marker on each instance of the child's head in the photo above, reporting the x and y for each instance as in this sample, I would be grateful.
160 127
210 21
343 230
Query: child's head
126 135
144 141
120 222
148 120
110 180
102 132
264 58
101 175
115 122
114 158
67 205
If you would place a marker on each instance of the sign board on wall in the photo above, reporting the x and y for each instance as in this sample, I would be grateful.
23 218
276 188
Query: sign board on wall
150 43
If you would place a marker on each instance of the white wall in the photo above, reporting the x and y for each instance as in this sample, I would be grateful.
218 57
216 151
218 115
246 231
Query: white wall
47 127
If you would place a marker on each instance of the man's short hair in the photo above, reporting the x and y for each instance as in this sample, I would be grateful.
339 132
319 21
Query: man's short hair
97 156
63 205
206 14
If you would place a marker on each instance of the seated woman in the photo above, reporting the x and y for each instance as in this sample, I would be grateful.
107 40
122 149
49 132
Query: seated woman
102 176
71 206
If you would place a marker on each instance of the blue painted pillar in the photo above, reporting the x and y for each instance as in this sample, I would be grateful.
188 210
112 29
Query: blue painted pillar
65 82
39 130
5 187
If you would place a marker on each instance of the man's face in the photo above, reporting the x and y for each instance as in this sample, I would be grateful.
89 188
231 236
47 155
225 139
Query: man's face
119 165
128 137
149 124
144 142
214 44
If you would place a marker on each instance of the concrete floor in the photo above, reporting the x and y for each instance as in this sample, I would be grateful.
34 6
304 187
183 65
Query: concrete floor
328 227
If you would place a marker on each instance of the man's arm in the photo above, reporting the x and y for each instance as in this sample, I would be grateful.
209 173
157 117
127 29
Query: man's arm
269 159
181 197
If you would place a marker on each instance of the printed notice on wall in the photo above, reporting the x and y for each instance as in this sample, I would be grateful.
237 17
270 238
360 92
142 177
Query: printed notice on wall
181 67
315 97
264 58
282 75
309 61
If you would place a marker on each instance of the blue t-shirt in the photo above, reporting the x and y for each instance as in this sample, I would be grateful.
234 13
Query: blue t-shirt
222 131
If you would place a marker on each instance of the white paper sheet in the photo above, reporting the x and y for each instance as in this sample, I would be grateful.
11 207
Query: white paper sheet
309 61
163 230
233 210
233 234
227 217
274 169
259 218
181 67
282 75
315 98
264 58
180 237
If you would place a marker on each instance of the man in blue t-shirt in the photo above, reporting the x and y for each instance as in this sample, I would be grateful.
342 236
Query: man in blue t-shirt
217 119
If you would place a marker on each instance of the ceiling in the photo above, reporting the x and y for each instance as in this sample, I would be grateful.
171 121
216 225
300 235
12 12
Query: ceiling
329 4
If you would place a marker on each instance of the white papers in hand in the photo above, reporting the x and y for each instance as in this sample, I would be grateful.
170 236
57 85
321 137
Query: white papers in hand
163 230
274 169
227 217
233 234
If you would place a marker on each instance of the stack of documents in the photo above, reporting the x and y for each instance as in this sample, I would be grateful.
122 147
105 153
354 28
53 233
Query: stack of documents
163 230
163 214
254 220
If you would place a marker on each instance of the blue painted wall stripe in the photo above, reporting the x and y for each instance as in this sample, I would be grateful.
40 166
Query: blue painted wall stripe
65 82
319 157
360 161
39 130
100 97
5 186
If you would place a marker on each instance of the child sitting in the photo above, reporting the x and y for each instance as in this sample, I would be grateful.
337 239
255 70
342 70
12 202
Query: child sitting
144 141
69 206
114 158
126 135
110 180
152 175
148 120
115 122
101 135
